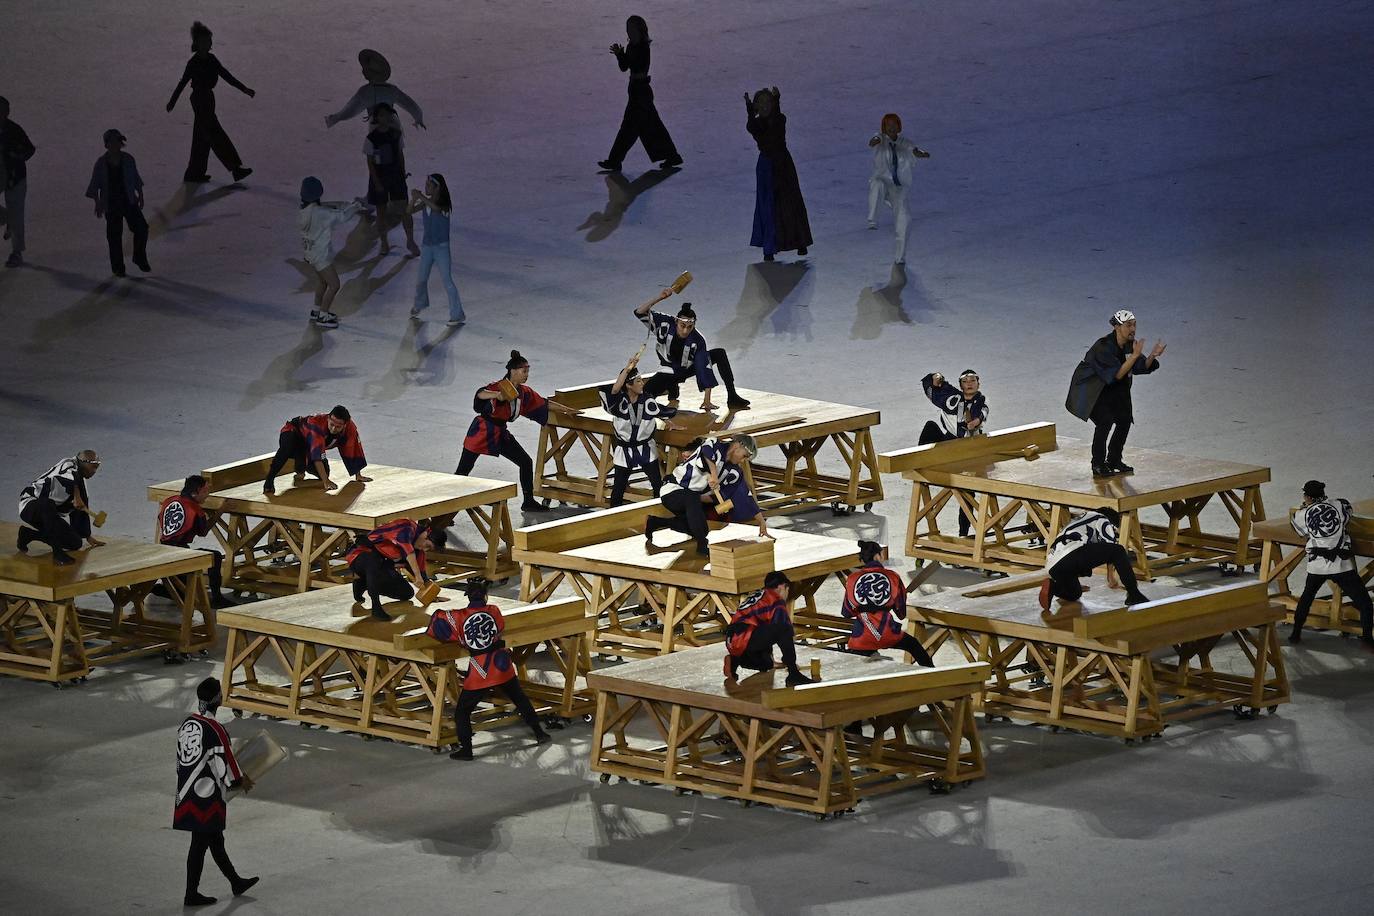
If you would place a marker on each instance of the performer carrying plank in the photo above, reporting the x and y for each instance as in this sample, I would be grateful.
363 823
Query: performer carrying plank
683 352
875 598
1101 390
1325 522
304 440
711 474
634 419
181 519
375 558
761 623
55 509
1086 543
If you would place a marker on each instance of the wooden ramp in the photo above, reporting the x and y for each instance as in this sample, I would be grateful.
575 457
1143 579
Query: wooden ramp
1281 555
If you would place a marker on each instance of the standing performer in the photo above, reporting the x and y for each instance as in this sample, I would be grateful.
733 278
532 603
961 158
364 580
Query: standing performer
497 404
15 151
641 121
634 420
682 351
1101 390
117 191
206 768
181 519
203 71
891 178
780 222
377 554
478 627
712 471
1087 542
1325 522
55 509
304 440
761 623
963 412
434 200
875 598
316 221
376 70
384 150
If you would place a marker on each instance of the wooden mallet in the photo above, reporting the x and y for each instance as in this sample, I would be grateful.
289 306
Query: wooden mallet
681 282
1030 453
98 518
427 593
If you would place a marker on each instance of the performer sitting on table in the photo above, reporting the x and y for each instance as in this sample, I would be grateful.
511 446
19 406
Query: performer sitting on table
478 627
205 769
714 466
963 412
634 419
55 509
304 440
682 351
488 435
761 623
1325 521
181 519
1086 543
1100 390
376 555
875 598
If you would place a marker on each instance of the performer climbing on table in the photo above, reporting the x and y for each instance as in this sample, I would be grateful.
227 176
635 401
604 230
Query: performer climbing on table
1087 542
1101 390
761 623
713 468
55 508
963 412
304 441
1325 522
875 599
376 557
182 518
683 352
634 420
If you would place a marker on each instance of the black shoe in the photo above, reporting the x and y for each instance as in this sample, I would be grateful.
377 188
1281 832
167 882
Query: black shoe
26 536
197 899
735 402
651 524
672 162
241 886
359 589
196 179
62 558
1137 598
463 753
607 165
14 260
1118 467
144 266
767 257
703 549
1295 637
541 736
1101 470
380 614
239 175
221 601
119 273
795 678
801 252
531 505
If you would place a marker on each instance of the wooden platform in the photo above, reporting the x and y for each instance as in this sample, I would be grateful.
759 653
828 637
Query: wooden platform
798 427
317 658
1281 555
1104 668
46 636
297 539
653 600
761 742
1018 506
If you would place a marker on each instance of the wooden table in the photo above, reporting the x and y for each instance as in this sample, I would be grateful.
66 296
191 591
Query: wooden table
45 636
297 539
1333 613
653 600
317 658
760 742
798 427
1126 672
1018 506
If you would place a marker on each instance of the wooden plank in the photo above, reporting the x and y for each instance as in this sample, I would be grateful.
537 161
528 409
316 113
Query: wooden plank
580 530
877 685
238 473
119 563
998 444
526 619
1170 610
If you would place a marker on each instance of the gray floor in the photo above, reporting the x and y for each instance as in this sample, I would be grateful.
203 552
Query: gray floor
1203 163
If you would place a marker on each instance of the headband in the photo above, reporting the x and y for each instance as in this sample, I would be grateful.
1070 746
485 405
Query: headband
1121 316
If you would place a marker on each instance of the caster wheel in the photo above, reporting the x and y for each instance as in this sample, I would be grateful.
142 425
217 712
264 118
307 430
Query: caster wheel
868 507
1273 709
1130 742
238 713
746 802
1054 729
821 817
605 779
588 718
939 787
306 726
57 685
204 653
367 737
436 751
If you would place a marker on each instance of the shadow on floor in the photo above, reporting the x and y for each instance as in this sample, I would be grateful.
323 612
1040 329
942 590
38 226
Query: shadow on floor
416 362
186 198
903 297
767 294
285 372
621 193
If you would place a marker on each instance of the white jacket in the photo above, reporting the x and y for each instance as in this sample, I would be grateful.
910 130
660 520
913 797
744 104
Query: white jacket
904 150
1324 525
317 222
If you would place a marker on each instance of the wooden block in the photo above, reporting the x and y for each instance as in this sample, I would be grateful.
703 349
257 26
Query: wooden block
997 445
856 688
1170 610
238 473
742 557
581 530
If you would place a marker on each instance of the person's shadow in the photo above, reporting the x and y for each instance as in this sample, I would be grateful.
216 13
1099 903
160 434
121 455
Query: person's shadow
904 300
415 363
284 372
767 286
186 198
355 290
621 193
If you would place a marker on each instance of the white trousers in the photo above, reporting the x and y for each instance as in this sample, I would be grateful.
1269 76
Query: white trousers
880 189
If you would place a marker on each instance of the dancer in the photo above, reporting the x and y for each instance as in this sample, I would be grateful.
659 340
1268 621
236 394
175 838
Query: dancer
1101 390
203 71
963 410
56 510
316 221
384 150
711 473
634 420
377 555
117 191
780 222
1325 522
682 351
181 519
434 200
304 441
478 628
497 404
641 121
761 623
15 151
376 70
891 178
206 768
1087 542
875 599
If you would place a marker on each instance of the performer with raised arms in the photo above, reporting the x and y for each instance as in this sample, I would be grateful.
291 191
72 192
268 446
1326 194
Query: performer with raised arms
684 354
634 419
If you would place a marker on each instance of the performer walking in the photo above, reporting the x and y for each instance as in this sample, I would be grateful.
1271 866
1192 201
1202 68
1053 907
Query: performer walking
1087 542
478 627
206 768
434 200
1325 522
1101 390
377 89
55 509
780 222
634 420
891 178
683 353
641 121
117 191
761 623
963 412
712 472
316 221
203 71
384 150
15 151
304 441
376 556
875 599
182 518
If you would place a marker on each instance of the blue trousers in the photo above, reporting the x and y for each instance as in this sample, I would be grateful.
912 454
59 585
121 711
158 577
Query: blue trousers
438 256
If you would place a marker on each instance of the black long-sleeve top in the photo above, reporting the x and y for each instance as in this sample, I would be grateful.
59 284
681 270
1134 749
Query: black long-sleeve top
770 132
203 72
635 58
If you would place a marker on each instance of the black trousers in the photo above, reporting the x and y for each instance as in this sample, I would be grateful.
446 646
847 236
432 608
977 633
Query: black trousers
1350 585
208 135
213 575
641 122
58 532
292 447
667 380
468 700
201 841
758 655
379 578
933 432
1112 418
908 644
513 452
689 514
620 479
1065 574
115 218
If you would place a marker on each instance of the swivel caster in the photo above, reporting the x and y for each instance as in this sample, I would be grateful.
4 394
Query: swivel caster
557 723
367 737
436 751
57 685
306 726
1273 709
1130 742
822 816
746 803
939 787
238 713
868 507
588 718
605 779
1054 729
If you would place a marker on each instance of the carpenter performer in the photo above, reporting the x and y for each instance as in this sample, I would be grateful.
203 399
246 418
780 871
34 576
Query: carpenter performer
304 440
963 412
714 466
634 420
182 518
683 353
1101 390
55 509
875 599
1325 522
1087 542
761 623
376 559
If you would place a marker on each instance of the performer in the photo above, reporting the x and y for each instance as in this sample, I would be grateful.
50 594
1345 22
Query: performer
15 151
182 518
304 440
963 412
316 222
384 150
376 70
55 508
434 200
682 351
203 71
205 769
711 469
117 191
1101 390
1325 522
875 598
780 222
761 623
376 555
634 420
1087 542
891 178
641 121
478 628
488 435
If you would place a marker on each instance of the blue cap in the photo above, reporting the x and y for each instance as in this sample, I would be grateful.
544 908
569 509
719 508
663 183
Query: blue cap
312 189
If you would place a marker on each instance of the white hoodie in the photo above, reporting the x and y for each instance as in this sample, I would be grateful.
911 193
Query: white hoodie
316 222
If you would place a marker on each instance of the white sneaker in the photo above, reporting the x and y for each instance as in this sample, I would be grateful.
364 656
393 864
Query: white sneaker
454 322
327 320
414 314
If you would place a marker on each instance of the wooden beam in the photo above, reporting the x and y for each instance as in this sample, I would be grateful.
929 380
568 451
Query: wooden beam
521 624
238 473
1170 610
998 445
581 530
876 685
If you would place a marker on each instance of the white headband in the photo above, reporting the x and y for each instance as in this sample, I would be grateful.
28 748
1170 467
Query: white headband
1121 316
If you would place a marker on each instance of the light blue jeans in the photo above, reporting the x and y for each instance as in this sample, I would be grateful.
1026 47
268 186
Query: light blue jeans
438 256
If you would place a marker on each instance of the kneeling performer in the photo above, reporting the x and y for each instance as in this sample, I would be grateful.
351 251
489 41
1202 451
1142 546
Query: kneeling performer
1086 543
376 555
761 623
710 473
304 440
55 509
875 598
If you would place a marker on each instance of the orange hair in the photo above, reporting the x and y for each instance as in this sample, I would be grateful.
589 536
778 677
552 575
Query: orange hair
889 117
